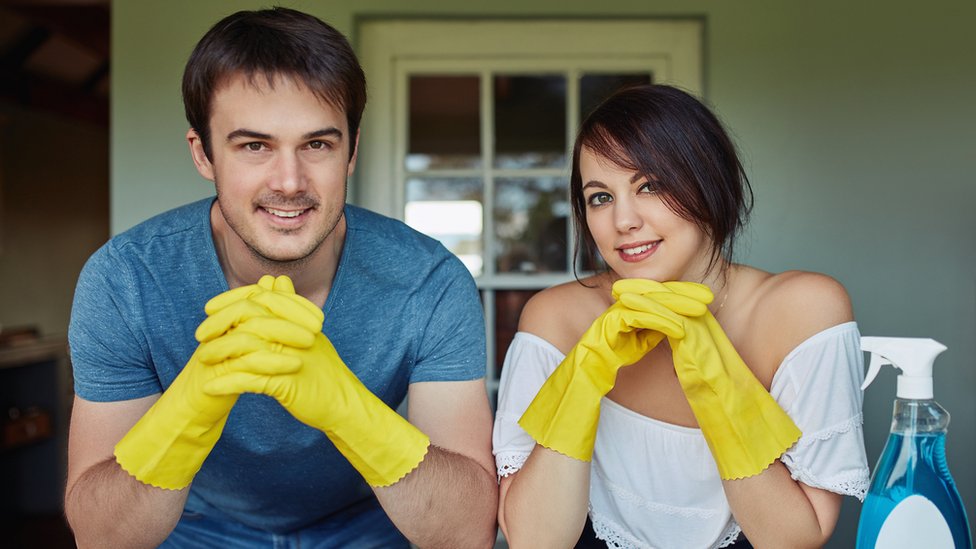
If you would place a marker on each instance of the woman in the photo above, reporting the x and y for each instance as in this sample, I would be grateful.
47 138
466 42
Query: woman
695 392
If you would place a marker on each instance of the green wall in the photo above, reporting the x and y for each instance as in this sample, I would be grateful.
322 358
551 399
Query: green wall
854 119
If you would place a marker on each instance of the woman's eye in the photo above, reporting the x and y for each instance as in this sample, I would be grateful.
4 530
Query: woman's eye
647 188
598 199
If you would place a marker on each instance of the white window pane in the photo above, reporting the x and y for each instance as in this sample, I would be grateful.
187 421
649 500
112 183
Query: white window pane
450 210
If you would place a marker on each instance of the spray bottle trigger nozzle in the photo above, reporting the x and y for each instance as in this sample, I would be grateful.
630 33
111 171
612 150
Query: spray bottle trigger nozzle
877 361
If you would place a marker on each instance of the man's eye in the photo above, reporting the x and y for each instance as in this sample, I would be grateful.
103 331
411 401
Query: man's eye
255 147
598 199
319 145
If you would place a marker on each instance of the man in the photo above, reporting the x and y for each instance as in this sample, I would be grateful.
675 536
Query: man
279 426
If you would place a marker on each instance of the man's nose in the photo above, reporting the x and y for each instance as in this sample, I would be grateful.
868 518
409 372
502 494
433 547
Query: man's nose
288 176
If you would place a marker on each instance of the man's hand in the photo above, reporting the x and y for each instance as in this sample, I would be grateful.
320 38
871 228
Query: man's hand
169 444
270 297
323 393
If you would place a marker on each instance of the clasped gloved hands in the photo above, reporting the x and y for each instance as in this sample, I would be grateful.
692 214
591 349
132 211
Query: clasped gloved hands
564 414
169 444
745 428
322 392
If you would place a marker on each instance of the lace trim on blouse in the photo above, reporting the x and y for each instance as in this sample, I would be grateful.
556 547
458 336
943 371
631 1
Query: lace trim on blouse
731 534
853 483
832 431
613 534
510 462
616 537
623 494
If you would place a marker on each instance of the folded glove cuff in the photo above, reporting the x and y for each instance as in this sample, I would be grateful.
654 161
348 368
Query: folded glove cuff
384 448
166 450
747 446
744 426
565 412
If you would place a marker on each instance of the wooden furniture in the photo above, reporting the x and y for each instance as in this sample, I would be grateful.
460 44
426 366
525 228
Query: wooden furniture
35 400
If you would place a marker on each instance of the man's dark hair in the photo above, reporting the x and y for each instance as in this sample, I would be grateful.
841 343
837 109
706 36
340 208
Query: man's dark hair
269 44
671 139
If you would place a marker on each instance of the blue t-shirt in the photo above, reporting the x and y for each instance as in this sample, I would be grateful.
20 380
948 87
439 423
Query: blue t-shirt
402 309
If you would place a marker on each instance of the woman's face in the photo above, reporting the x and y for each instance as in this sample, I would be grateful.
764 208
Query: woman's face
637 234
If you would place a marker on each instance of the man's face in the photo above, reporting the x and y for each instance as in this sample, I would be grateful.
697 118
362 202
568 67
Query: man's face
279 160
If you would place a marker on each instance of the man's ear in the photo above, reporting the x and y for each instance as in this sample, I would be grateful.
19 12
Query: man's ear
200 160
355 155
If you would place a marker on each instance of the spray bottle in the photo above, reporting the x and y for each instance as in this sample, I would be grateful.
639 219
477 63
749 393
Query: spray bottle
913 501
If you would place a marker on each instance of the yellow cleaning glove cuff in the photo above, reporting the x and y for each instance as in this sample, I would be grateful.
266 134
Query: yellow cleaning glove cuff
745 428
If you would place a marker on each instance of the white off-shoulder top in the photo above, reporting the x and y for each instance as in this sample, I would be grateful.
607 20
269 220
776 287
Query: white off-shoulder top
655 485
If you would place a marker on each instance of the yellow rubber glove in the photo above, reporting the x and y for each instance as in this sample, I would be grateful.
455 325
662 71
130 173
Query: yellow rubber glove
326 395
745 428
274 297
564 414
169 444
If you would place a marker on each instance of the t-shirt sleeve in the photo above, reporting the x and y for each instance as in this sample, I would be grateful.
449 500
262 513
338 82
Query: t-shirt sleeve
109 354
819 386
452 346
530 360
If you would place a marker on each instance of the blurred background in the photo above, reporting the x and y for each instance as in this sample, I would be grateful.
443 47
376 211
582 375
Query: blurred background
854 120
55 58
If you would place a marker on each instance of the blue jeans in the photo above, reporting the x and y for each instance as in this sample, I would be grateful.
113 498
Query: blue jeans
366 530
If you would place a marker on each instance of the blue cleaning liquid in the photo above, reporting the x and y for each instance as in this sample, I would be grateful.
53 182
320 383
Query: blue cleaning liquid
913 465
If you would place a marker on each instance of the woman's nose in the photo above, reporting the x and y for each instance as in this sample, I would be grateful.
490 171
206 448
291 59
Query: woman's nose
626 217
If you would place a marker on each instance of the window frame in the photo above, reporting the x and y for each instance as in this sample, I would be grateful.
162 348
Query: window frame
393 51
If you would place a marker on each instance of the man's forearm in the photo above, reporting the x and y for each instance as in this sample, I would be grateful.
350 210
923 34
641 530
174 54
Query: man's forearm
107 507
447 501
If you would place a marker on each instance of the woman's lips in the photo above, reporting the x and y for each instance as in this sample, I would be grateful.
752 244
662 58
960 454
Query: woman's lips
633 253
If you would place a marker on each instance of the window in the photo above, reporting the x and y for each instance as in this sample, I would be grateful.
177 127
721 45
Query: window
469 134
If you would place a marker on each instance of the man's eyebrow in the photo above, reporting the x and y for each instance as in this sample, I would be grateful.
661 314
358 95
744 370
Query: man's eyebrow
251 134
325 132
248 134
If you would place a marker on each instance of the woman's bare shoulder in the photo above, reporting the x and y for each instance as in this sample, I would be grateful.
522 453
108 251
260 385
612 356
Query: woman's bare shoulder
560 314
814 297
796 305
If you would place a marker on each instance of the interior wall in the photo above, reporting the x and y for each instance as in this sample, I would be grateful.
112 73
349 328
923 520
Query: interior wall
854 120
54 214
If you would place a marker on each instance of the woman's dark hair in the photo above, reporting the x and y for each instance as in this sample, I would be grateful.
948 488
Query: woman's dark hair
667 136
272 43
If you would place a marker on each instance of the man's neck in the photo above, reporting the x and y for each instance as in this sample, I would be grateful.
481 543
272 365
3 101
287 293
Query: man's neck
311 275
